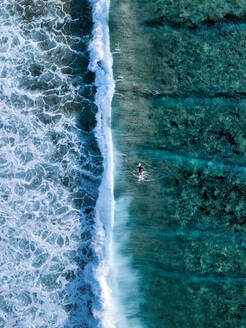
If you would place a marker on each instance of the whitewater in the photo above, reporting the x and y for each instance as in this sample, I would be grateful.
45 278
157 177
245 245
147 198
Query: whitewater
101 63
56 164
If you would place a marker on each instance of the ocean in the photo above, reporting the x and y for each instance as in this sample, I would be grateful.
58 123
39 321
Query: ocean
179 109
88 90
53 137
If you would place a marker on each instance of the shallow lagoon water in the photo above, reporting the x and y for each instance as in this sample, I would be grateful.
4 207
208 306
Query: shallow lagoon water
179 109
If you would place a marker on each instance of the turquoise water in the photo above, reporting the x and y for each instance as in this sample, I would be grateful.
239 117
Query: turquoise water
179 109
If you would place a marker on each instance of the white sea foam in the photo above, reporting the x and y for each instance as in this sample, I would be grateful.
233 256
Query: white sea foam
118 282
47 170
101 64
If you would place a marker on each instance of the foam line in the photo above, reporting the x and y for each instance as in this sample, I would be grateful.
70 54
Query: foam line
101 64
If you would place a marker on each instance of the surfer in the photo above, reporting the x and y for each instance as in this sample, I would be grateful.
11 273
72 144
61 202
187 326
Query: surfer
140 169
